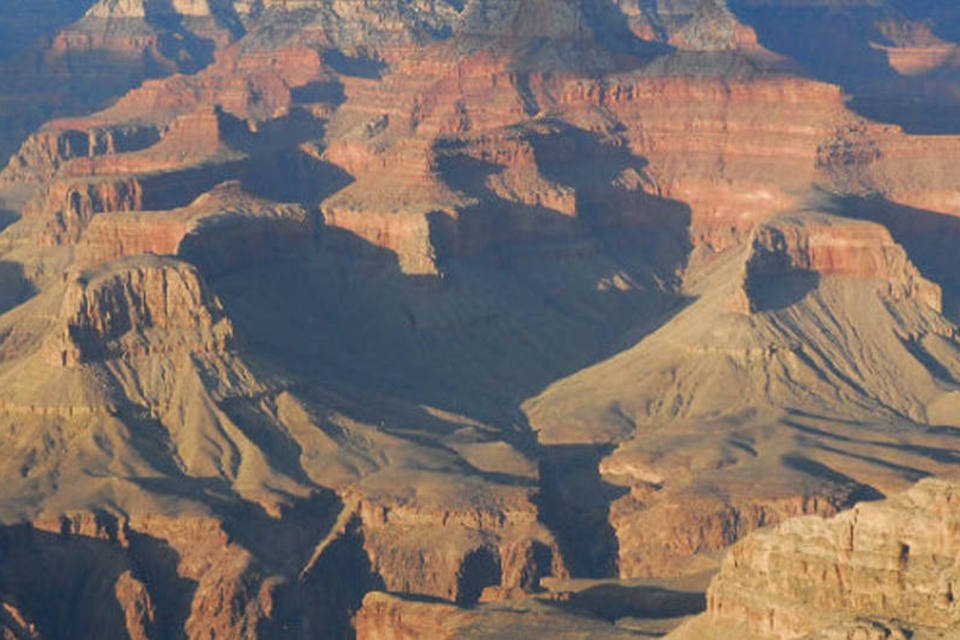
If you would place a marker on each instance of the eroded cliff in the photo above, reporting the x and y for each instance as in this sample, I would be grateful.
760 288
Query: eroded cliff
880 570
452 299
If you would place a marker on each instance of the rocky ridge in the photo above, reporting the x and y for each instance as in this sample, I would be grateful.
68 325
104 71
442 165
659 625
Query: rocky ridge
880 570
430 293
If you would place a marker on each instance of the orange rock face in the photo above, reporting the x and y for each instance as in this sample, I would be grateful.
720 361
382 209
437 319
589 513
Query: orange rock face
458 556
208 231
407 236
69 206
878 567
830 247
689 127
117 310
661 538
302 300
386 620
110 238
44 152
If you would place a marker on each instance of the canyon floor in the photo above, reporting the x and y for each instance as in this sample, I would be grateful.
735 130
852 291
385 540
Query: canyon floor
479 319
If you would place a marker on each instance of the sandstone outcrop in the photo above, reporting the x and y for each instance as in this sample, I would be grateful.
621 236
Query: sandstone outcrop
148 306
44 152
458 555
389 617
68 206
686 126
878 570
682 534
224 228
450 300
826 246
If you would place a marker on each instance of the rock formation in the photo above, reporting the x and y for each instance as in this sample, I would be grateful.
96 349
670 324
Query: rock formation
117 311
826 246
386 617
880 570
336 318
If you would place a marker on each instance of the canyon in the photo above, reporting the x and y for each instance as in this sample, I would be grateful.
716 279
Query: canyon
479 318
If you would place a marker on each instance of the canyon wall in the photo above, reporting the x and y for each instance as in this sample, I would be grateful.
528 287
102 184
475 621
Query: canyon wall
880 570
438 300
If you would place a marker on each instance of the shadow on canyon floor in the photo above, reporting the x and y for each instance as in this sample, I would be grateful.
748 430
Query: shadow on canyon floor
859 492
941 454
541 295
613 31
774 291
574 502
176 42
276 169
41 21
353 66
83 572
613 602
15 289
7 218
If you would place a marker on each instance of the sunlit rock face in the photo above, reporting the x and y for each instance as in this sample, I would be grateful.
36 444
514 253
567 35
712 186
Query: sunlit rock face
354 318
880 570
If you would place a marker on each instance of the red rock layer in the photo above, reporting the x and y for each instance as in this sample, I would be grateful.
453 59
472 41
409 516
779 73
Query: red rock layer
458 555
255 85
404 234
222 229
68 206
112 237
44 152
733 150
189 139
660 537
148 306
831 246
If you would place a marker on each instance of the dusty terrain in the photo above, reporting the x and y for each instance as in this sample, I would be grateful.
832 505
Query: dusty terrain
483 318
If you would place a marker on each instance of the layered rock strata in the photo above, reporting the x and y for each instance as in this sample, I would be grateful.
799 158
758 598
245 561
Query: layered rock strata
879 570
828 246
197 363
151 307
